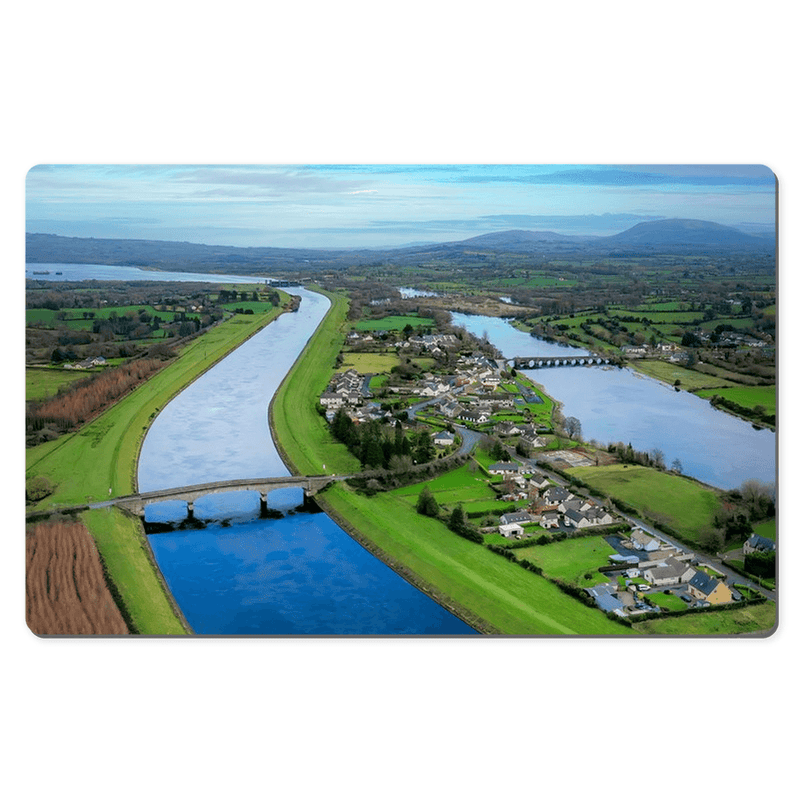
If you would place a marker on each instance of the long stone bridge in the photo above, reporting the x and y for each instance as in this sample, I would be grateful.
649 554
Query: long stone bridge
310 485
536 362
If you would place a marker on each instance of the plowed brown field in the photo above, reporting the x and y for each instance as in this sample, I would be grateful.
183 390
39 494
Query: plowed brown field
66 592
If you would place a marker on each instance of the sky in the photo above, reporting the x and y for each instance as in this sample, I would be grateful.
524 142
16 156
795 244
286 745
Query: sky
375 206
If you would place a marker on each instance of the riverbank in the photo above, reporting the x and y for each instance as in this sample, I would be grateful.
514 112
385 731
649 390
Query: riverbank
100 461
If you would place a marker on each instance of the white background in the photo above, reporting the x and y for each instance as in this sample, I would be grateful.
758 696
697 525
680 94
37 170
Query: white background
351 82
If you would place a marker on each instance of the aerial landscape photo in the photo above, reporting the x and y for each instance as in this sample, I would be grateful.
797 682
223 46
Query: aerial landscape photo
440 400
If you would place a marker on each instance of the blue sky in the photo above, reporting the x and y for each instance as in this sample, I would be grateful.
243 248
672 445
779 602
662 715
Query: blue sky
382 205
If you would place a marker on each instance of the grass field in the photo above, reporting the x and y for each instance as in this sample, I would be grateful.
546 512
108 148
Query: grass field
43 383
751 619
669 373
571 560
748 396
766 529
486 585
686 506
374 363
463 485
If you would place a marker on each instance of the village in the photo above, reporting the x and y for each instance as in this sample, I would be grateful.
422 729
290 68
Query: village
479 393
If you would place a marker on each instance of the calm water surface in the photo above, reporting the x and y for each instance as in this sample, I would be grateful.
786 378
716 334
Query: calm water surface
621 405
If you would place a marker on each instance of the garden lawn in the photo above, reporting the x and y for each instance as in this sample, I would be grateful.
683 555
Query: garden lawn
670 602
481 583
684 505
127 559
571 559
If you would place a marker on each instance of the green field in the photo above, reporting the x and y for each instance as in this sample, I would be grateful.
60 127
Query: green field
43 383
690 380
751 619
393 323
463 485
686 506
374 363
748 396
571 560
669 602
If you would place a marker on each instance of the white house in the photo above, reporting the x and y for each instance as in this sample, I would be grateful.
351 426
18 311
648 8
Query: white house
510 531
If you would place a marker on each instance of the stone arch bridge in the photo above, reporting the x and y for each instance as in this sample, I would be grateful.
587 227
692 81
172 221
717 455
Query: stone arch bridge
136 503
536 362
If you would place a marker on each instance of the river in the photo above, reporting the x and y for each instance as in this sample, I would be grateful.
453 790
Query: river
622 405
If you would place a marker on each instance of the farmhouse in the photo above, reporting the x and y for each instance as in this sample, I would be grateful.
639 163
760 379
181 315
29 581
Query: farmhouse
712 590
443 439
516 517
605 598
758 544
476 417
504 468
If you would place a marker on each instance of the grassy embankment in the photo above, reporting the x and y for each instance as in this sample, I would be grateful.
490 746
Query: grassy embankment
102 455
481 587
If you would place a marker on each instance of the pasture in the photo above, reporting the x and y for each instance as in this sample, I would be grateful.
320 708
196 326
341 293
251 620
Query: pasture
392 323
684 505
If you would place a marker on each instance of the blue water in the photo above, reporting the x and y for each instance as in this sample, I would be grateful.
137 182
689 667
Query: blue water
297 575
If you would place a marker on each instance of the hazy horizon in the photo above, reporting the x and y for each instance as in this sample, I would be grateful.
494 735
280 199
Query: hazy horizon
377 206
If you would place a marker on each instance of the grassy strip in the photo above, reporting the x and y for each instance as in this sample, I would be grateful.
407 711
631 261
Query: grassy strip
684 505
131 568
690 380
759 618
102 455
301 435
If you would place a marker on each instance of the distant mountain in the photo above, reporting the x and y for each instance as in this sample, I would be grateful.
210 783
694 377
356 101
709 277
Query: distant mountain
512 240
684 233
647 238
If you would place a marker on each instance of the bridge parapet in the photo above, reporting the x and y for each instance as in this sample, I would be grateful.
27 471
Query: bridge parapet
310 485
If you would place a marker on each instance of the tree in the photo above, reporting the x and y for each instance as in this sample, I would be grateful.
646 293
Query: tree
572 427
426 503
457 521
677 466
657 457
